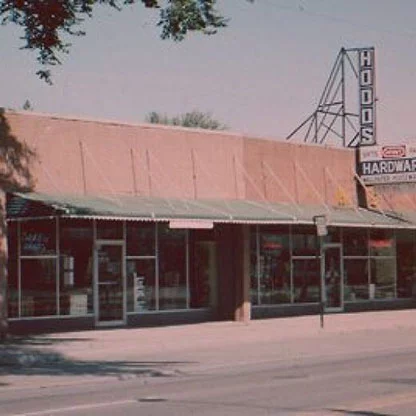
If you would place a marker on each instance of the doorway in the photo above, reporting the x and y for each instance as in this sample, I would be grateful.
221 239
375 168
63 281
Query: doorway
332 279
110 284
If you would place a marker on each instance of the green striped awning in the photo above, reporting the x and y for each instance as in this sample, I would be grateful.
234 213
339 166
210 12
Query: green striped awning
24 205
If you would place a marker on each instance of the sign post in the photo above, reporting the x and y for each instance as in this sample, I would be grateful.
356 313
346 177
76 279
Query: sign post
321 231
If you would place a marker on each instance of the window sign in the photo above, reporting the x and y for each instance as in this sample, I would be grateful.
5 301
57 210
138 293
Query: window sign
38 238
139 292
35 243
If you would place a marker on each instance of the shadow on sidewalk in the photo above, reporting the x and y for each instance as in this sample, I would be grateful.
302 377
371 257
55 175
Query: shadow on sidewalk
39 340
25 357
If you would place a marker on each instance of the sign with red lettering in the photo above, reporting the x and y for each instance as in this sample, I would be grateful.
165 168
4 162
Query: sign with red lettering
388 164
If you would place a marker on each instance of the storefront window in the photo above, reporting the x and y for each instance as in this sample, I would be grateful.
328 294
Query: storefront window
38 237
355 279
406 263
12 278
254 267
274 279
38 287
140 239
76 267
355 242
304 241
382 243
306 280
141 285
382 278
334 235
172 268
109 230
141 266
203 269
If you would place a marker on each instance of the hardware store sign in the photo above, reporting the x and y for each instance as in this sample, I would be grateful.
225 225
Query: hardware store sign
388 164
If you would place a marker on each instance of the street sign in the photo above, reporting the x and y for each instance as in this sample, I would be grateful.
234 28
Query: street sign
320 222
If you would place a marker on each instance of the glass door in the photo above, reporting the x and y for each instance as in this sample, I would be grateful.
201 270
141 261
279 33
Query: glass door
332 278
110 284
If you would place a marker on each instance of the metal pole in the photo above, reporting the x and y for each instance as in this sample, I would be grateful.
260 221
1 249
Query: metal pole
321 282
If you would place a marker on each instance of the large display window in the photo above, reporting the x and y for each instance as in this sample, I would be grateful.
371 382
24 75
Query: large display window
406 263
355 241
38 284
172 259
203 270
76 267
383 278
304 241
109 230
254 266
356 279
274 268
306 280
141 284
285 267
141 239
382 243
38 287
12 277
38 238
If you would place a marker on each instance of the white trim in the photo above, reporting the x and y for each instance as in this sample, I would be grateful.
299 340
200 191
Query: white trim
105 324
115 242
45 256
49 317
57 267
140 257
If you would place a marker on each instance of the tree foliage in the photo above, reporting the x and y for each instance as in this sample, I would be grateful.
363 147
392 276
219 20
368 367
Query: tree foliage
46 23
193 119
27 106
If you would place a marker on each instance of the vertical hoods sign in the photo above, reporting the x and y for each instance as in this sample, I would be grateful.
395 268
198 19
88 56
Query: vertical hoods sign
367 97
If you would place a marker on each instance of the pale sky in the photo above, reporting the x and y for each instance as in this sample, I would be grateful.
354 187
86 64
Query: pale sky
262 76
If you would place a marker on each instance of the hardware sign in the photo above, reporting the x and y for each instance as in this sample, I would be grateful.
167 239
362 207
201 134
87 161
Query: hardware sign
388 164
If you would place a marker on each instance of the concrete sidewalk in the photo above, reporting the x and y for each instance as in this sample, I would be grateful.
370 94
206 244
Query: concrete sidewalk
164 351
111 343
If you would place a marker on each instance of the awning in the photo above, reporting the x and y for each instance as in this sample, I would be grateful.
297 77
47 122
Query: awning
142 208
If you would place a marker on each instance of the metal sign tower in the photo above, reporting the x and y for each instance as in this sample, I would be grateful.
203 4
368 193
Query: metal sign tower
341 117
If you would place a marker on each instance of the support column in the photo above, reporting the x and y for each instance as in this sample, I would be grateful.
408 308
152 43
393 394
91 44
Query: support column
234 272
242 311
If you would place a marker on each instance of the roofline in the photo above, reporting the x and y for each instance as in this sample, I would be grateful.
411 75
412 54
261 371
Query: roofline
229 133
68 117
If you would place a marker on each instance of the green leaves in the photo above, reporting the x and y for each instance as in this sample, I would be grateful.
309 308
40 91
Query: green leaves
183 16
47 22
192 119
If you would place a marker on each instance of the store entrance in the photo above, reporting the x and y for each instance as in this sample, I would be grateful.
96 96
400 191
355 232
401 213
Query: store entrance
110 283
332 285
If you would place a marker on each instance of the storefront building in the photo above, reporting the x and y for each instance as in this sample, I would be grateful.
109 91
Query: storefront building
143 225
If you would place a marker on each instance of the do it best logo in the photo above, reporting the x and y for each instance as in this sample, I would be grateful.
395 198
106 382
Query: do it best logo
393 152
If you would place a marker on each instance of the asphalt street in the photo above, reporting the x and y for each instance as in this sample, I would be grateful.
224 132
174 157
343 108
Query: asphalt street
284 367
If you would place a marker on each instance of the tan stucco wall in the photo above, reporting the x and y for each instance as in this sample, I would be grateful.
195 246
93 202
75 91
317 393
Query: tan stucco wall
82 156
304 174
